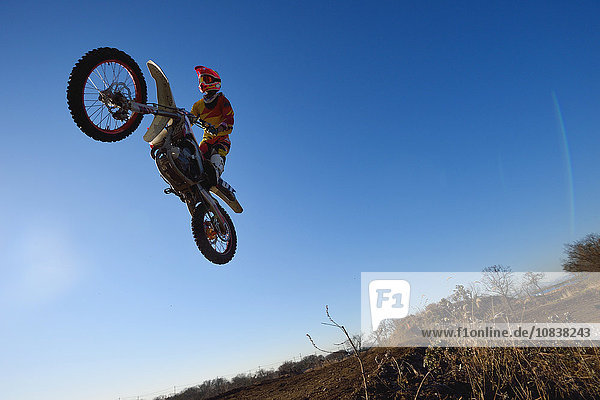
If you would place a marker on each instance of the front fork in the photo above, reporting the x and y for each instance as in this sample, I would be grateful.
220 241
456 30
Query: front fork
213 206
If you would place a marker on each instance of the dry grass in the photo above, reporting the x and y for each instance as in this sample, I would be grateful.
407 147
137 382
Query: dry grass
487 373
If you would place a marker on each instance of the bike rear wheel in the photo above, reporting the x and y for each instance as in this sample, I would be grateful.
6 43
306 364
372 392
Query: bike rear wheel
100 83
217 246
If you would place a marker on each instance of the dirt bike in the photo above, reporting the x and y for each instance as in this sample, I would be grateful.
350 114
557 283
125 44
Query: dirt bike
107 98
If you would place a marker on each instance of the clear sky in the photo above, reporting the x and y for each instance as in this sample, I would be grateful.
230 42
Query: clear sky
369 136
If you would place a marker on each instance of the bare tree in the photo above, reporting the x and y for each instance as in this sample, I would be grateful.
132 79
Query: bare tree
531 282
357 340
583 255
384 331
461 293
475 289
499 280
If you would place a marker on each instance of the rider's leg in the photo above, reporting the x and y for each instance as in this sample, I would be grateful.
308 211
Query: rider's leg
207 149
217 158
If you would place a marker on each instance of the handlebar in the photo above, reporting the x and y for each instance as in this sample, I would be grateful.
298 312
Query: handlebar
158 109
203 124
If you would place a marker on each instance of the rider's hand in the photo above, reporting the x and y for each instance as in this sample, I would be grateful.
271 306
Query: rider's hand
221 128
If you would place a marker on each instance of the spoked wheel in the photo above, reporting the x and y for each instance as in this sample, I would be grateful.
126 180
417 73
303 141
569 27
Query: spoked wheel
217 245
100 86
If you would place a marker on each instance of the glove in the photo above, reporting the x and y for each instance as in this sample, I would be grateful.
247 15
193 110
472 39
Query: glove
223 127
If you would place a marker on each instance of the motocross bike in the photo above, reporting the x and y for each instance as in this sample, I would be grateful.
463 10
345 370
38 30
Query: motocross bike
107 98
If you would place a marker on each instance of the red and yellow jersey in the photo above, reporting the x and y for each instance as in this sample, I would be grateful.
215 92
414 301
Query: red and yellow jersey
218 112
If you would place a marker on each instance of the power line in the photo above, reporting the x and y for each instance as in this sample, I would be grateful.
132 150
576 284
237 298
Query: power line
187 386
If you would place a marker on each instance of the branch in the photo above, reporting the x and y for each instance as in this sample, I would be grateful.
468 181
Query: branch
316 347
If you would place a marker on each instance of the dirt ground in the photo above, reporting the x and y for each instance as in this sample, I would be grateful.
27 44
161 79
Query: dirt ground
343 380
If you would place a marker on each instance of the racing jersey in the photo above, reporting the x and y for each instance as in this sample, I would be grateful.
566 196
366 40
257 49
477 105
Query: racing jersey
217 112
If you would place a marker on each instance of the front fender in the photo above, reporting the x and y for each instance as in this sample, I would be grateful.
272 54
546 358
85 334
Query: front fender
233 204
165 98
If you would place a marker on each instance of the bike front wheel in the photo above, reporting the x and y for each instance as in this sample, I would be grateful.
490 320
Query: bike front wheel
217 245
101 82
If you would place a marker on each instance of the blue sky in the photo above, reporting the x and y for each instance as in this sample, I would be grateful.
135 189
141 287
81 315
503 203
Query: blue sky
387 136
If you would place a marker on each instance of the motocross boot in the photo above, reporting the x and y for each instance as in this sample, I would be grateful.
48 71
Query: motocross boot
218 163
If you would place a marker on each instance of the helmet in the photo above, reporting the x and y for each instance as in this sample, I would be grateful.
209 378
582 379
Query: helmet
208 79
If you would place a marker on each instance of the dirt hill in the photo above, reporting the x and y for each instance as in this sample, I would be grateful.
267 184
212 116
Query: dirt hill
341 380
442 373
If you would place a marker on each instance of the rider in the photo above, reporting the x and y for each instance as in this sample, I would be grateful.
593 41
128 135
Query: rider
215 109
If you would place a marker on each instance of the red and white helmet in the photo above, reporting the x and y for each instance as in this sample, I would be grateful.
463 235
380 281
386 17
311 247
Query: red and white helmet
208 79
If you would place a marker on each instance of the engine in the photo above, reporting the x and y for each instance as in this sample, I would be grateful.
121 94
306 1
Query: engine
183 169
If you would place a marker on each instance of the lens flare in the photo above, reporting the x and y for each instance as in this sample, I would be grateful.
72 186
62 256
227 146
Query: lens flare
567 157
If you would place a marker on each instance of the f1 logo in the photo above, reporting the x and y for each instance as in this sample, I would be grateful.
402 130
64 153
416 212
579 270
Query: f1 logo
389 299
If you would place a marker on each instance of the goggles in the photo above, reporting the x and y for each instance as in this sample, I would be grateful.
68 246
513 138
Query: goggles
207 79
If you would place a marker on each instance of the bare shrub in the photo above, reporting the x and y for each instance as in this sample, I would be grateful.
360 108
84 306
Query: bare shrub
583 255
355 346
499 280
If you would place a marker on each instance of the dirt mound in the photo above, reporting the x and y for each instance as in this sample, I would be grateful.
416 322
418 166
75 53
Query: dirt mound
342 380
442 373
